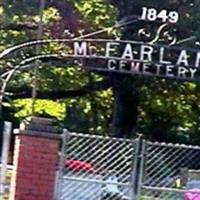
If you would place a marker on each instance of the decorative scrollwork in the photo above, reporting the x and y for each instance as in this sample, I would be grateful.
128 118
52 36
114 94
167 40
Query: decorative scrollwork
144 32
164 33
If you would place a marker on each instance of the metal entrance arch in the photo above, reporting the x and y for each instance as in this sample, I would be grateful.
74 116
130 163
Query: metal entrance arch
93 62
85 54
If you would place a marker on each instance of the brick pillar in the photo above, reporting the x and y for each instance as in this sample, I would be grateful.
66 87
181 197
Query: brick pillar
35 161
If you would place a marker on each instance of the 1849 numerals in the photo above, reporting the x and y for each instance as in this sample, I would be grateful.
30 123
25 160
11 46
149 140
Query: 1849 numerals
151 14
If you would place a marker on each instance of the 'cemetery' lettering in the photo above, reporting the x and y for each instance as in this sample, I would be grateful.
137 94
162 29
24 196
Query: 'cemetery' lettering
141 58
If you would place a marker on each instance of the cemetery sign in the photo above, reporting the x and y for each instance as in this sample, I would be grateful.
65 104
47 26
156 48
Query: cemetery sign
149 58
140 58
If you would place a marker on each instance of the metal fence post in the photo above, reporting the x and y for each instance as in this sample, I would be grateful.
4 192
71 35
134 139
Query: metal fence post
133 184
59 179
4 155
137 169
141 167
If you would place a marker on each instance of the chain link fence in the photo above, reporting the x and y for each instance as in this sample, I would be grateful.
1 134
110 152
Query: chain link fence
95 167
170 171
105 168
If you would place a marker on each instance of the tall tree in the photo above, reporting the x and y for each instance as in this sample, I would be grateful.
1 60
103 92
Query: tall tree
127 91
161 109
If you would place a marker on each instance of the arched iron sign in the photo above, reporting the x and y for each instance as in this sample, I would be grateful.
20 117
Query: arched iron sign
157 53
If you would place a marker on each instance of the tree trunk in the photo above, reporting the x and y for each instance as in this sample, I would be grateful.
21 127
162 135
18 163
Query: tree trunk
125 110
125 91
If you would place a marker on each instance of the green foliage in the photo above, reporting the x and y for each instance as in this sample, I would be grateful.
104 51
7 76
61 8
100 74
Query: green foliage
96 12
91 113
168 110
48 108
50 15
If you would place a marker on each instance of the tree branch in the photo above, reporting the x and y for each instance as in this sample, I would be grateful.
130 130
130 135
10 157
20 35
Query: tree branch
62 94
19 27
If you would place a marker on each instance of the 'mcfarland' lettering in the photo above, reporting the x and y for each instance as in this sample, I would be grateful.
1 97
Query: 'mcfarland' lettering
111 47
80 48
139 52
140 58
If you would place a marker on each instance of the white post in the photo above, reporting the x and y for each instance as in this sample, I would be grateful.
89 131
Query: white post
4 154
